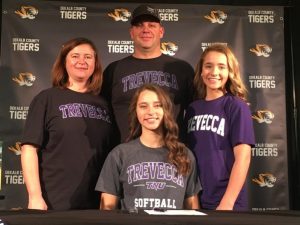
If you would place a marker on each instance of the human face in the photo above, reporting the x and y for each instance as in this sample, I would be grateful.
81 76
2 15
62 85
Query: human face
146 36
149 111
215 73
80 63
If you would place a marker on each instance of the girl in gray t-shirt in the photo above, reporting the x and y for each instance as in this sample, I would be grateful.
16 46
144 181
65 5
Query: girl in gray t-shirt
153 169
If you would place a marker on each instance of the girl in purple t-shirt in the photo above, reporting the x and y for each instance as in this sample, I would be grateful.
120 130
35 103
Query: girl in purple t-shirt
220 130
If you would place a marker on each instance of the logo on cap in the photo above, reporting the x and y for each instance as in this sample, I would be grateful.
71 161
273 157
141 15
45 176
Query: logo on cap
144 10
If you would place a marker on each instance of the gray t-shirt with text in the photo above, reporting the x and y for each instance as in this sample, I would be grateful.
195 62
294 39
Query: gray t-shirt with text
143 179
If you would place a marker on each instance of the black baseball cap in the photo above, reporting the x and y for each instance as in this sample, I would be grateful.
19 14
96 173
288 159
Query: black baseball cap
145 13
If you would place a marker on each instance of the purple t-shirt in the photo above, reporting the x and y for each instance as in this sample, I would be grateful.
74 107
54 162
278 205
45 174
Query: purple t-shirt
213 129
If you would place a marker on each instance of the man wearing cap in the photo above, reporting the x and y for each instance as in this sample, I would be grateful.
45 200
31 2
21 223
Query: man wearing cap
146 65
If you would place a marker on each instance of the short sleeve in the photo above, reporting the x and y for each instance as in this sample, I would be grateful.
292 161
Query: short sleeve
109 179
34 131
241 124
193 185
106 88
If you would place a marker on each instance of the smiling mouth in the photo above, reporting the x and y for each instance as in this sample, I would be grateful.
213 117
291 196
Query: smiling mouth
213 79
151 119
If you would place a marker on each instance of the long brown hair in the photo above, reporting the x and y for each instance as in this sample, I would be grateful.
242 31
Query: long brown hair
59 72
234 84
178 154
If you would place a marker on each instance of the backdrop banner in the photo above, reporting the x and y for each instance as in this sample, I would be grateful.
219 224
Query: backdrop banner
33 32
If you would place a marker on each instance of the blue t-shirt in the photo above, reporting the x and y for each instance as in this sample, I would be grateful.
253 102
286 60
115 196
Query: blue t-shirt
213 129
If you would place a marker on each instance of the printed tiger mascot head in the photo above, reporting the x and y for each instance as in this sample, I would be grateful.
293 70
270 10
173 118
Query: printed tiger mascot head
263 116
27 12
168 48
261 50
16 149
265 180
120 14
216 16
24 79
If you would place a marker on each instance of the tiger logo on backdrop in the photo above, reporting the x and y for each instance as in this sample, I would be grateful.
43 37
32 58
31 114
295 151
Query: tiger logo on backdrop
168 48
120 15
24 79
16 149
27 12
216 16
265 180
263 116
261 50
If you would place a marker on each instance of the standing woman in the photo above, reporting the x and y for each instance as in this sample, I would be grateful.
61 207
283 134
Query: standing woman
67 131
153 169
220 130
